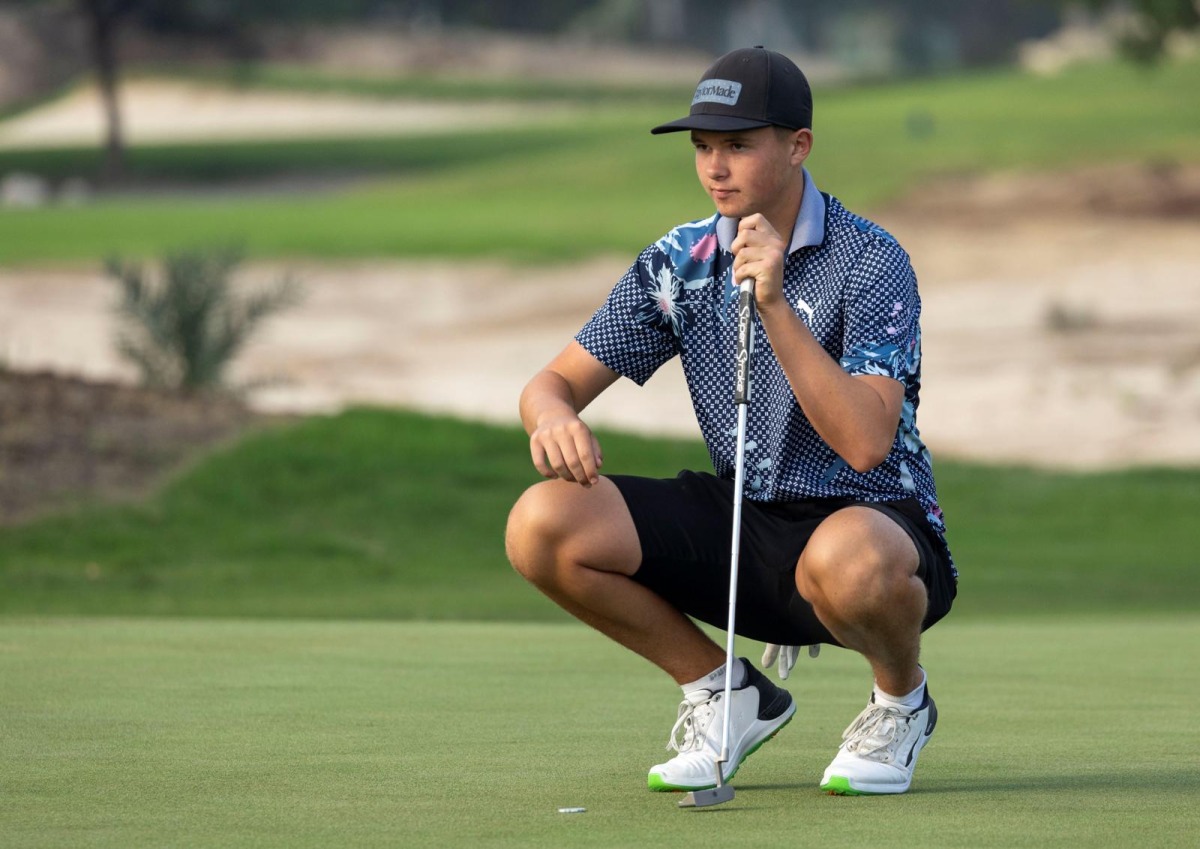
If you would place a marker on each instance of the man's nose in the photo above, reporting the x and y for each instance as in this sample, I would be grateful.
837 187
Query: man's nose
714 165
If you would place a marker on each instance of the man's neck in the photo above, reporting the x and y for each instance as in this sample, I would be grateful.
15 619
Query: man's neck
784 219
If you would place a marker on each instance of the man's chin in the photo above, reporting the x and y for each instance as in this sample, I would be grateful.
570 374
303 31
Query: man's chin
730 209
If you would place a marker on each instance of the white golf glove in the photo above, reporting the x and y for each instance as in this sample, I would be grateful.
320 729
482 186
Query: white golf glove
787 656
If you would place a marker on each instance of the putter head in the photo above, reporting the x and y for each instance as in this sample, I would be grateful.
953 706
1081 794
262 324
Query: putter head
713 795
705 798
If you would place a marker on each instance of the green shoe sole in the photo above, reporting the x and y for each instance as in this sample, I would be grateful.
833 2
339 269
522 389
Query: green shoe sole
839 786
655 782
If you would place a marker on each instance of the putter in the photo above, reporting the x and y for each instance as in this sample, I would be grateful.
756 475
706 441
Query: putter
741 397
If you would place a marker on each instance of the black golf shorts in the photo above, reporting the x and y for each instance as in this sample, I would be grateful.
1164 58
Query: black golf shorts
685 527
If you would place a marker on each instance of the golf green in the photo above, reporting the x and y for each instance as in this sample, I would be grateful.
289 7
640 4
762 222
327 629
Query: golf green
1078 732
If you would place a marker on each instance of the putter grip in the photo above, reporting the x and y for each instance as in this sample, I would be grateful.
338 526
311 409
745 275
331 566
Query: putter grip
745 341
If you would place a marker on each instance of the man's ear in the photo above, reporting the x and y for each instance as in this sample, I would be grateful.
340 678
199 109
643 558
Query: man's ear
801 142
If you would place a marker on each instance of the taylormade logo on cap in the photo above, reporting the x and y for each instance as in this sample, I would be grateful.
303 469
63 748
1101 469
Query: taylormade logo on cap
745 89
726 92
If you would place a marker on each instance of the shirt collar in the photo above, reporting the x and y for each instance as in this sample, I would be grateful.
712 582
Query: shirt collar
809 230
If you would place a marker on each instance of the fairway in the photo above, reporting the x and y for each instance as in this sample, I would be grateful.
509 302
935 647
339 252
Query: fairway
200 733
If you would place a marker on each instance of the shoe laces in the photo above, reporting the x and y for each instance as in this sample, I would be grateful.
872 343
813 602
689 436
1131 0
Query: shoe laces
876 732
694 720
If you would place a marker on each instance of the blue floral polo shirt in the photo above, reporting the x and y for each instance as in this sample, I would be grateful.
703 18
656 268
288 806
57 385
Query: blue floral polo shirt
854 287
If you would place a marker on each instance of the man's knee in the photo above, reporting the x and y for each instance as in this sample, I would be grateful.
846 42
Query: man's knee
532 527
555 522
857 552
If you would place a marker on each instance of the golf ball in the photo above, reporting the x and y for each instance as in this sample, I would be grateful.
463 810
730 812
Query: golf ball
572 810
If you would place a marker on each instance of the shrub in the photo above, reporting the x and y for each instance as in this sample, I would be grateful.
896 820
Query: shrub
183 330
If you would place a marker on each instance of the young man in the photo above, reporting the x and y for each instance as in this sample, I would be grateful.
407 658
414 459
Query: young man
842 538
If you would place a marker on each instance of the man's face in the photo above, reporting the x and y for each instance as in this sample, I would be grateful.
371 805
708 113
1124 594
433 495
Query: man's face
751 171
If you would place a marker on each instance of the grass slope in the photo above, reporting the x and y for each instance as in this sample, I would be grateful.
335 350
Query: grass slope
576 188
387 514
200 733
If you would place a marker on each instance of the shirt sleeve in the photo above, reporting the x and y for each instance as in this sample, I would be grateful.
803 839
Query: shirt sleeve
635 331
882 329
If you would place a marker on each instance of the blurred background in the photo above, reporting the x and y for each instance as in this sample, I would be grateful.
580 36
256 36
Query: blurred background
273 275
249 249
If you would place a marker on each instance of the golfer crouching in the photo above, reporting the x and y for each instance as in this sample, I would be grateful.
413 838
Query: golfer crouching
842 539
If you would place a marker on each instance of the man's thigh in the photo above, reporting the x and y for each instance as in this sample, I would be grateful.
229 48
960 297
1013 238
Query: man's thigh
590 526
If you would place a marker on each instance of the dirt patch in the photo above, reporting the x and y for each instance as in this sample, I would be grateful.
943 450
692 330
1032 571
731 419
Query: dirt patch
64 440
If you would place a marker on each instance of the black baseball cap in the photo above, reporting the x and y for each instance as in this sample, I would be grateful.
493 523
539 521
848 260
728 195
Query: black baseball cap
747 88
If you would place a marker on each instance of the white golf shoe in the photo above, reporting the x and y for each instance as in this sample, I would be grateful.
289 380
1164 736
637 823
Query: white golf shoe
758 710
880 749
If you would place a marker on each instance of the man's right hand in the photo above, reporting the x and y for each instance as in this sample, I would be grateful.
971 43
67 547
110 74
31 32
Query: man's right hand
564 448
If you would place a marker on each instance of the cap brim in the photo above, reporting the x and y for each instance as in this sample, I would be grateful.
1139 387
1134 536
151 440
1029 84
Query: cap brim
710 123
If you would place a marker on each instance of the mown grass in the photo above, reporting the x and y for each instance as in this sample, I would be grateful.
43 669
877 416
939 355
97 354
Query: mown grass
383 514
598 183
187 164
202 733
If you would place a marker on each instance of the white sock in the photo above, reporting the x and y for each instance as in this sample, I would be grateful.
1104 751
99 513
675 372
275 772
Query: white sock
911 701
715 681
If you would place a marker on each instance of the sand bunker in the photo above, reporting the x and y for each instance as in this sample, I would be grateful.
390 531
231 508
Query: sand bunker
156 111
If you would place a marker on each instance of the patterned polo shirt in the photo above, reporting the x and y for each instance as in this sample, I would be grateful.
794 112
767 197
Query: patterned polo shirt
852 285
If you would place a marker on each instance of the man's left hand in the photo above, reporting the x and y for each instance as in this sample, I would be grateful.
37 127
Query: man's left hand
787 657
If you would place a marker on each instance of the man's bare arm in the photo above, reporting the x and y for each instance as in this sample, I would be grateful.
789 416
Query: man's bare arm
560 444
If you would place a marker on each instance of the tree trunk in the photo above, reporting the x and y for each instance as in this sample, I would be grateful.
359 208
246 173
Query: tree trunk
102 17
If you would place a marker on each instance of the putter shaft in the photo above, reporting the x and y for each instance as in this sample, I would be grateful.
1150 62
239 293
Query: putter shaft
741 396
